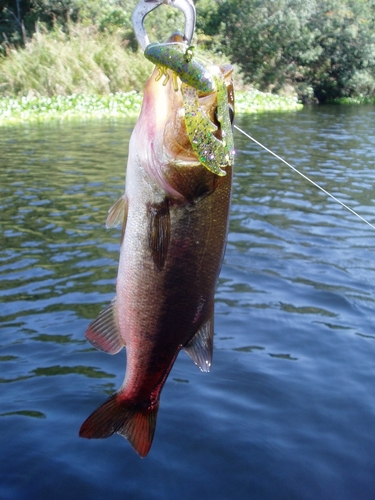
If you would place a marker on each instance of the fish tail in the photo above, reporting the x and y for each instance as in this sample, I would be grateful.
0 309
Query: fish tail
135 422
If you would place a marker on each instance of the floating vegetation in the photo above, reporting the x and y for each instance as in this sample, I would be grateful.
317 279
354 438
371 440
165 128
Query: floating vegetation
255 101
353 100
122 104
24 109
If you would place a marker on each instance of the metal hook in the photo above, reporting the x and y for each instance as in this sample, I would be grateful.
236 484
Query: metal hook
144 7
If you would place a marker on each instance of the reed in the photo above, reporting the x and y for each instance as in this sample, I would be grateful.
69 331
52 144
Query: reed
80 61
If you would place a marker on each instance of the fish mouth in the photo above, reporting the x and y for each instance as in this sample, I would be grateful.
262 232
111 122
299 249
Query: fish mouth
176 142
168 155
202 97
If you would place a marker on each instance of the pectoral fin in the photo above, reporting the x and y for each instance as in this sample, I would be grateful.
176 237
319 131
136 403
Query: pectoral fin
118 213
201 346
103 333
159 232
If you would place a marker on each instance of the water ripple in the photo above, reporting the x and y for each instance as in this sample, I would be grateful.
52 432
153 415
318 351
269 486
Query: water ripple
289 405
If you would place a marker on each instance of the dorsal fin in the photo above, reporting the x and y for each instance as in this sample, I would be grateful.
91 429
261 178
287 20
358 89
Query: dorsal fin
103 333
118 213
201 345
159 232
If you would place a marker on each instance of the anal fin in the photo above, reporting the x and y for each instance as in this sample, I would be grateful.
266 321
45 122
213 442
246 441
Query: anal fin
201 345
103 333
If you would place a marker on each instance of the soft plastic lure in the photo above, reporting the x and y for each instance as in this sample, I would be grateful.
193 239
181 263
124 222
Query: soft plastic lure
212 152
178 57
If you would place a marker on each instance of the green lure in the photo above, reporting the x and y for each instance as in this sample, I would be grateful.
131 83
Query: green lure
179 58
212 152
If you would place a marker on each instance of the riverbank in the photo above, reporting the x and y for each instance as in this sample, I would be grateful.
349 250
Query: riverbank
121 104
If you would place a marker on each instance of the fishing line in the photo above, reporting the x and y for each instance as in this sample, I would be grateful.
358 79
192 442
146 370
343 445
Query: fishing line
305 177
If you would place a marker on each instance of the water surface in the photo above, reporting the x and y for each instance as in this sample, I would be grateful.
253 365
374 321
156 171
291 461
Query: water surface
288 410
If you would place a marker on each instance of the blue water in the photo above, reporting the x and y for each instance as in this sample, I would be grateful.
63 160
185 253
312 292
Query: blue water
288 410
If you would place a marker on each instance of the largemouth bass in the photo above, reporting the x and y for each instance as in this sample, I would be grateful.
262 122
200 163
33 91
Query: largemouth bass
174 216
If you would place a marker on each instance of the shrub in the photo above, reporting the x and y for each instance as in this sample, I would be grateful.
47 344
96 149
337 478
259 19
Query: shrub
317 46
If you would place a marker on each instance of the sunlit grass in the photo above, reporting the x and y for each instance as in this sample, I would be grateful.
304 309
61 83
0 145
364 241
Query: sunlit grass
83 61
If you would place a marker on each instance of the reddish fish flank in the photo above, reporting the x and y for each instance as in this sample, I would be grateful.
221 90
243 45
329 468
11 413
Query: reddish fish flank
174 214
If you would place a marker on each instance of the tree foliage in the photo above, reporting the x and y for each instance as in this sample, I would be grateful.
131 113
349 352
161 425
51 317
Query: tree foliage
324 49
319 49
19 17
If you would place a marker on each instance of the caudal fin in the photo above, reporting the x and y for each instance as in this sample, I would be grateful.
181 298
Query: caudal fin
134 422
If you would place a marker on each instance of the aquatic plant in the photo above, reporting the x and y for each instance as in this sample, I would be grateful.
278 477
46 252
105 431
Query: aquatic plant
254 101
353 100
25 109
120 104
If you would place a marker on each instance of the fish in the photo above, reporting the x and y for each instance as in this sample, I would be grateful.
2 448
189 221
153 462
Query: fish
174 215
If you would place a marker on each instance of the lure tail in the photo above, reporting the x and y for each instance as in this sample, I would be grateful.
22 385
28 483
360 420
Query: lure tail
134 422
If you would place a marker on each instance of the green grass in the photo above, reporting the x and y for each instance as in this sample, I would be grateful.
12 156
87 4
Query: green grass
84 74
83 61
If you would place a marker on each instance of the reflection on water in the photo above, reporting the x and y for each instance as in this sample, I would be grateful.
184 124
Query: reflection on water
25 413
290 403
